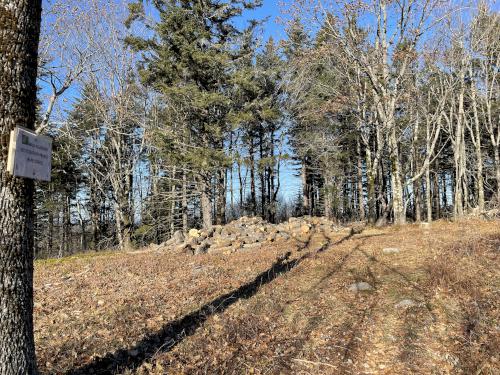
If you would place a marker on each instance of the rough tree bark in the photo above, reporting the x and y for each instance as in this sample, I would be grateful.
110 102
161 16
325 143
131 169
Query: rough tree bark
253 194
306 204
206 205
19 33
221 197
184 203
476 136
361 199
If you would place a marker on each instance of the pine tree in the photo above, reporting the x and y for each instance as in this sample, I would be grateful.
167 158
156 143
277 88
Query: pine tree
190 61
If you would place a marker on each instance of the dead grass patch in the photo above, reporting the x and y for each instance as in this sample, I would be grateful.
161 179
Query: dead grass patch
467 271
303 321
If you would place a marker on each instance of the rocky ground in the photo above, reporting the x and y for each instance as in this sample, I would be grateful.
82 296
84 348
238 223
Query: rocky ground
312 298
248 233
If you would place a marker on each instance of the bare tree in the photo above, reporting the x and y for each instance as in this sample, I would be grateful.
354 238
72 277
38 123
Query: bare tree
112 119
384 57
67 49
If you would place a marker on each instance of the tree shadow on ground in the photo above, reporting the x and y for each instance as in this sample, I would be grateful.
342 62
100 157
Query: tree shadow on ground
425 294
174 332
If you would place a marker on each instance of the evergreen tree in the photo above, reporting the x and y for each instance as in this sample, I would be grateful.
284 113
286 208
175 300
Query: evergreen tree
189 60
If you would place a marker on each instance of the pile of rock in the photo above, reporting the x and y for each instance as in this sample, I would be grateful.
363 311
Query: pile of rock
248 233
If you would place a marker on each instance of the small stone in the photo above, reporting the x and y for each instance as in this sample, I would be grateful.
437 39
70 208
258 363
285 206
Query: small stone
391 250
304 229
197 269
223 242
193 241
100 302
194 233
177 238
202 248
249 246
362 286
404 304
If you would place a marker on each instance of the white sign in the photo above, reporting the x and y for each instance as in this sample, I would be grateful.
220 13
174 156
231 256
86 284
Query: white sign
30 155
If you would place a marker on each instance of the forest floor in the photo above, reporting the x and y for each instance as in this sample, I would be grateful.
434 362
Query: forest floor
433 307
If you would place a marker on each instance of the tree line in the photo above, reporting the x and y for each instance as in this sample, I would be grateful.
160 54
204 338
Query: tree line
387 110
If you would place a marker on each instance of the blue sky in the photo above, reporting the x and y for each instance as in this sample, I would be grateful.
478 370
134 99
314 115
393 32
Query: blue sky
270 10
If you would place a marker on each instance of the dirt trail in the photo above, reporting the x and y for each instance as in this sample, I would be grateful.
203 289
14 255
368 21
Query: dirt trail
289 309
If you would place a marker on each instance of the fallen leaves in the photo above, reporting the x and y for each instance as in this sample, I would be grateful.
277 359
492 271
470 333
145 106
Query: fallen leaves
304 320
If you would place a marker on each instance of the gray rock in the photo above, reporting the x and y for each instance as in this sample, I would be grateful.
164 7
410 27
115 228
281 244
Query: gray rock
282 236
223 242
254 238
176 239
391 250
184 248
202 248
217 231
271 237
361 286
404 304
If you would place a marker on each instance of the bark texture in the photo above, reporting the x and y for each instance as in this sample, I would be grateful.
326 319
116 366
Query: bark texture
19 33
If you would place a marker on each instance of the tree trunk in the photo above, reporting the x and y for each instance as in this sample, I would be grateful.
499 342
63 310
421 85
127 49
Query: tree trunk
361 199
206 206
67 225
119 226
476 137
221 197
384 208
96 228
371 188
173 205
459 154
19 32
306 205
437 194
497 170
231 181
154 195
184 203
83 238
445 191
428 196
50 232
396 185
416 193
241 188
262 176
253 194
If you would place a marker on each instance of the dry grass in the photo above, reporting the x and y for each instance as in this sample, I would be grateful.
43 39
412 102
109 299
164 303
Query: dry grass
264 312
468 270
